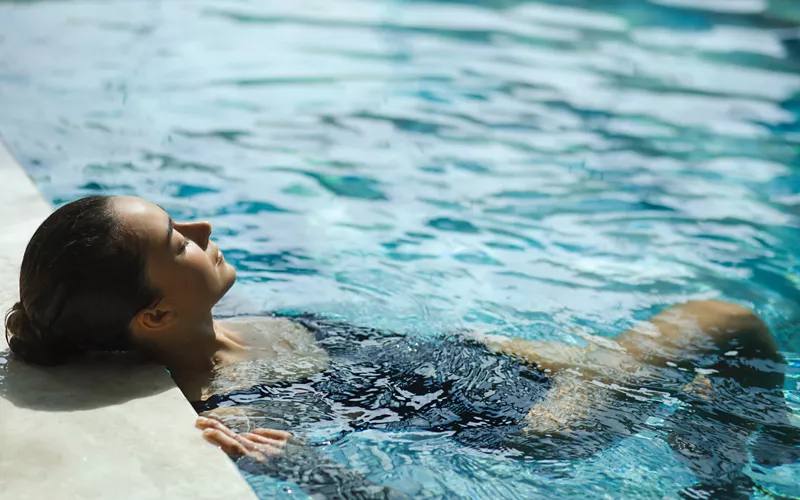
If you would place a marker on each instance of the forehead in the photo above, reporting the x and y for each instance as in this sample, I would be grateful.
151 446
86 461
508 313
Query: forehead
147 220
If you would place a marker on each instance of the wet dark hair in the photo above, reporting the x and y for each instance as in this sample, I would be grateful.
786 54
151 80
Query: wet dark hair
81 283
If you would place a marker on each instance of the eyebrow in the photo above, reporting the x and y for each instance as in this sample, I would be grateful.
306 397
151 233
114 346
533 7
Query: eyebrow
170 229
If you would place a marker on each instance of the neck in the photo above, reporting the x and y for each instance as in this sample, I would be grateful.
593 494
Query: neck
195 346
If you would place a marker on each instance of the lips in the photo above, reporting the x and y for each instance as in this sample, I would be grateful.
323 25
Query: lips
217 255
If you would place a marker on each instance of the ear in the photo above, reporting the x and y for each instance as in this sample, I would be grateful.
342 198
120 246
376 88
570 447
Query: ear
155 319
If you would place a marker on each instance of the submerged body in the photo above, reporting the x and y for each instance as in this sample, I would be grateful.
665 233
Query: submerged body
531 400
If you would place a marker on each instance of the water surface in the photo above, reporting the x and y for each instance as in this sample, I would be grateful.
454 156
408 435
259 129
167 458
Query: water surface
529 167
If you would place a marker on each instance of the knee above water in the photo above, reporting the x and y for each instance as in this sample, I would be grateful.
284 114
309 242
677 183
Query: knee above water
735 326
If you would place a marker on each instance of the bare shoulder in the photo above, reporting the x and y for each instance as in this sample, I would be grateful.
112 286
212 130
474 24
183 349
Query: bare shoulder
270 332
264 324
278 350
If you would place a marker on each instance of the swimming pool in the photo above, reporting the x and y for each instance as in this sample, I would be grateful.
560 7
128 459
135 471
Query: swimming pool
531 167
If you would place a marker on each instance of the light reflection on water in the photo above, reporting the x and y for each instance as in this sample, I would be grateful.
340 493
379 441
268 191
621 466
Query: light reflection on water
530 167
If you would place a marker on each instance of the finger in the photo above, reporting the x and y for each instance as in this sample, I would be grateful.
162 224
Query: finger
266 450
207 422
229 445
237 447
260 444
262 440
246 444
272 434
210 423
234 444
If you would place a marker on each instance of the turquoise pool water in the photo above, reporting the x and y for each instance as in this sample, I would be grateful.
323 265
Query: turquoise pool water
530 167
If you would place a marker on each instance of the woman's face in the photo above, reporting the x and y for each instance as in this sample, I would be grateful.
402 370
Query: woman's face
182 262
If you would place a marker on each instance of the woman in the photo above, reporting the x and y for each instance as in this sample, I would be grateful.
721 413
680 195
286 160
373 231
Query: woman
105 274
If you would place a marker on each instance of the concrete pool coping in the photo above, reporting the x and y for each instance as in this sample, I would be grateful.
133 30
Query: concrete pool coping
107 428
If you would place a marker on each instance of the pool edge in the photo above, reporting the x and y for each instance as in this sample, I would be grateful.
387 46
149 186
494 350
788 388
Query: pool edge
59 444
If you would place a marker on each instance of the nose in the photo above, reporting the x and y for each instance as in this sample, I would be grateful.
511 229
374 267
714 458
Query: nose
199 232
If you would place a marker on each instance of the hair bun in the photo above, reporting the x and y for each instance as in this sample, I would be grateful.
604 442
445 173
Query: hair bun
26 340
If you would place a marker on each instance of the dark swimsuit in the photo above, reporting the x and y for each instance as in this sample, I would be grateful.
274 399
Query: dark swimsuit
393 382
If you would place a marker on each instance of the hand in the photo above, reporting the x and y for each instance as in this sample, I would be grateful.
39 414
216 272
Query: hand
257 444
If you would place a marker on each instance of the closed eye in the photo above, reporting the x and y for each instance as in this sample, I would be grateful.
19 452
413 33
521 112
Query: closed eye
185 244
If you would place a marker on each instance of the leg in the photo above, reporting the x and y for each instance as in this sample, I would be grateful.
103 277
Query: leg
689 332
737 376
729 349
